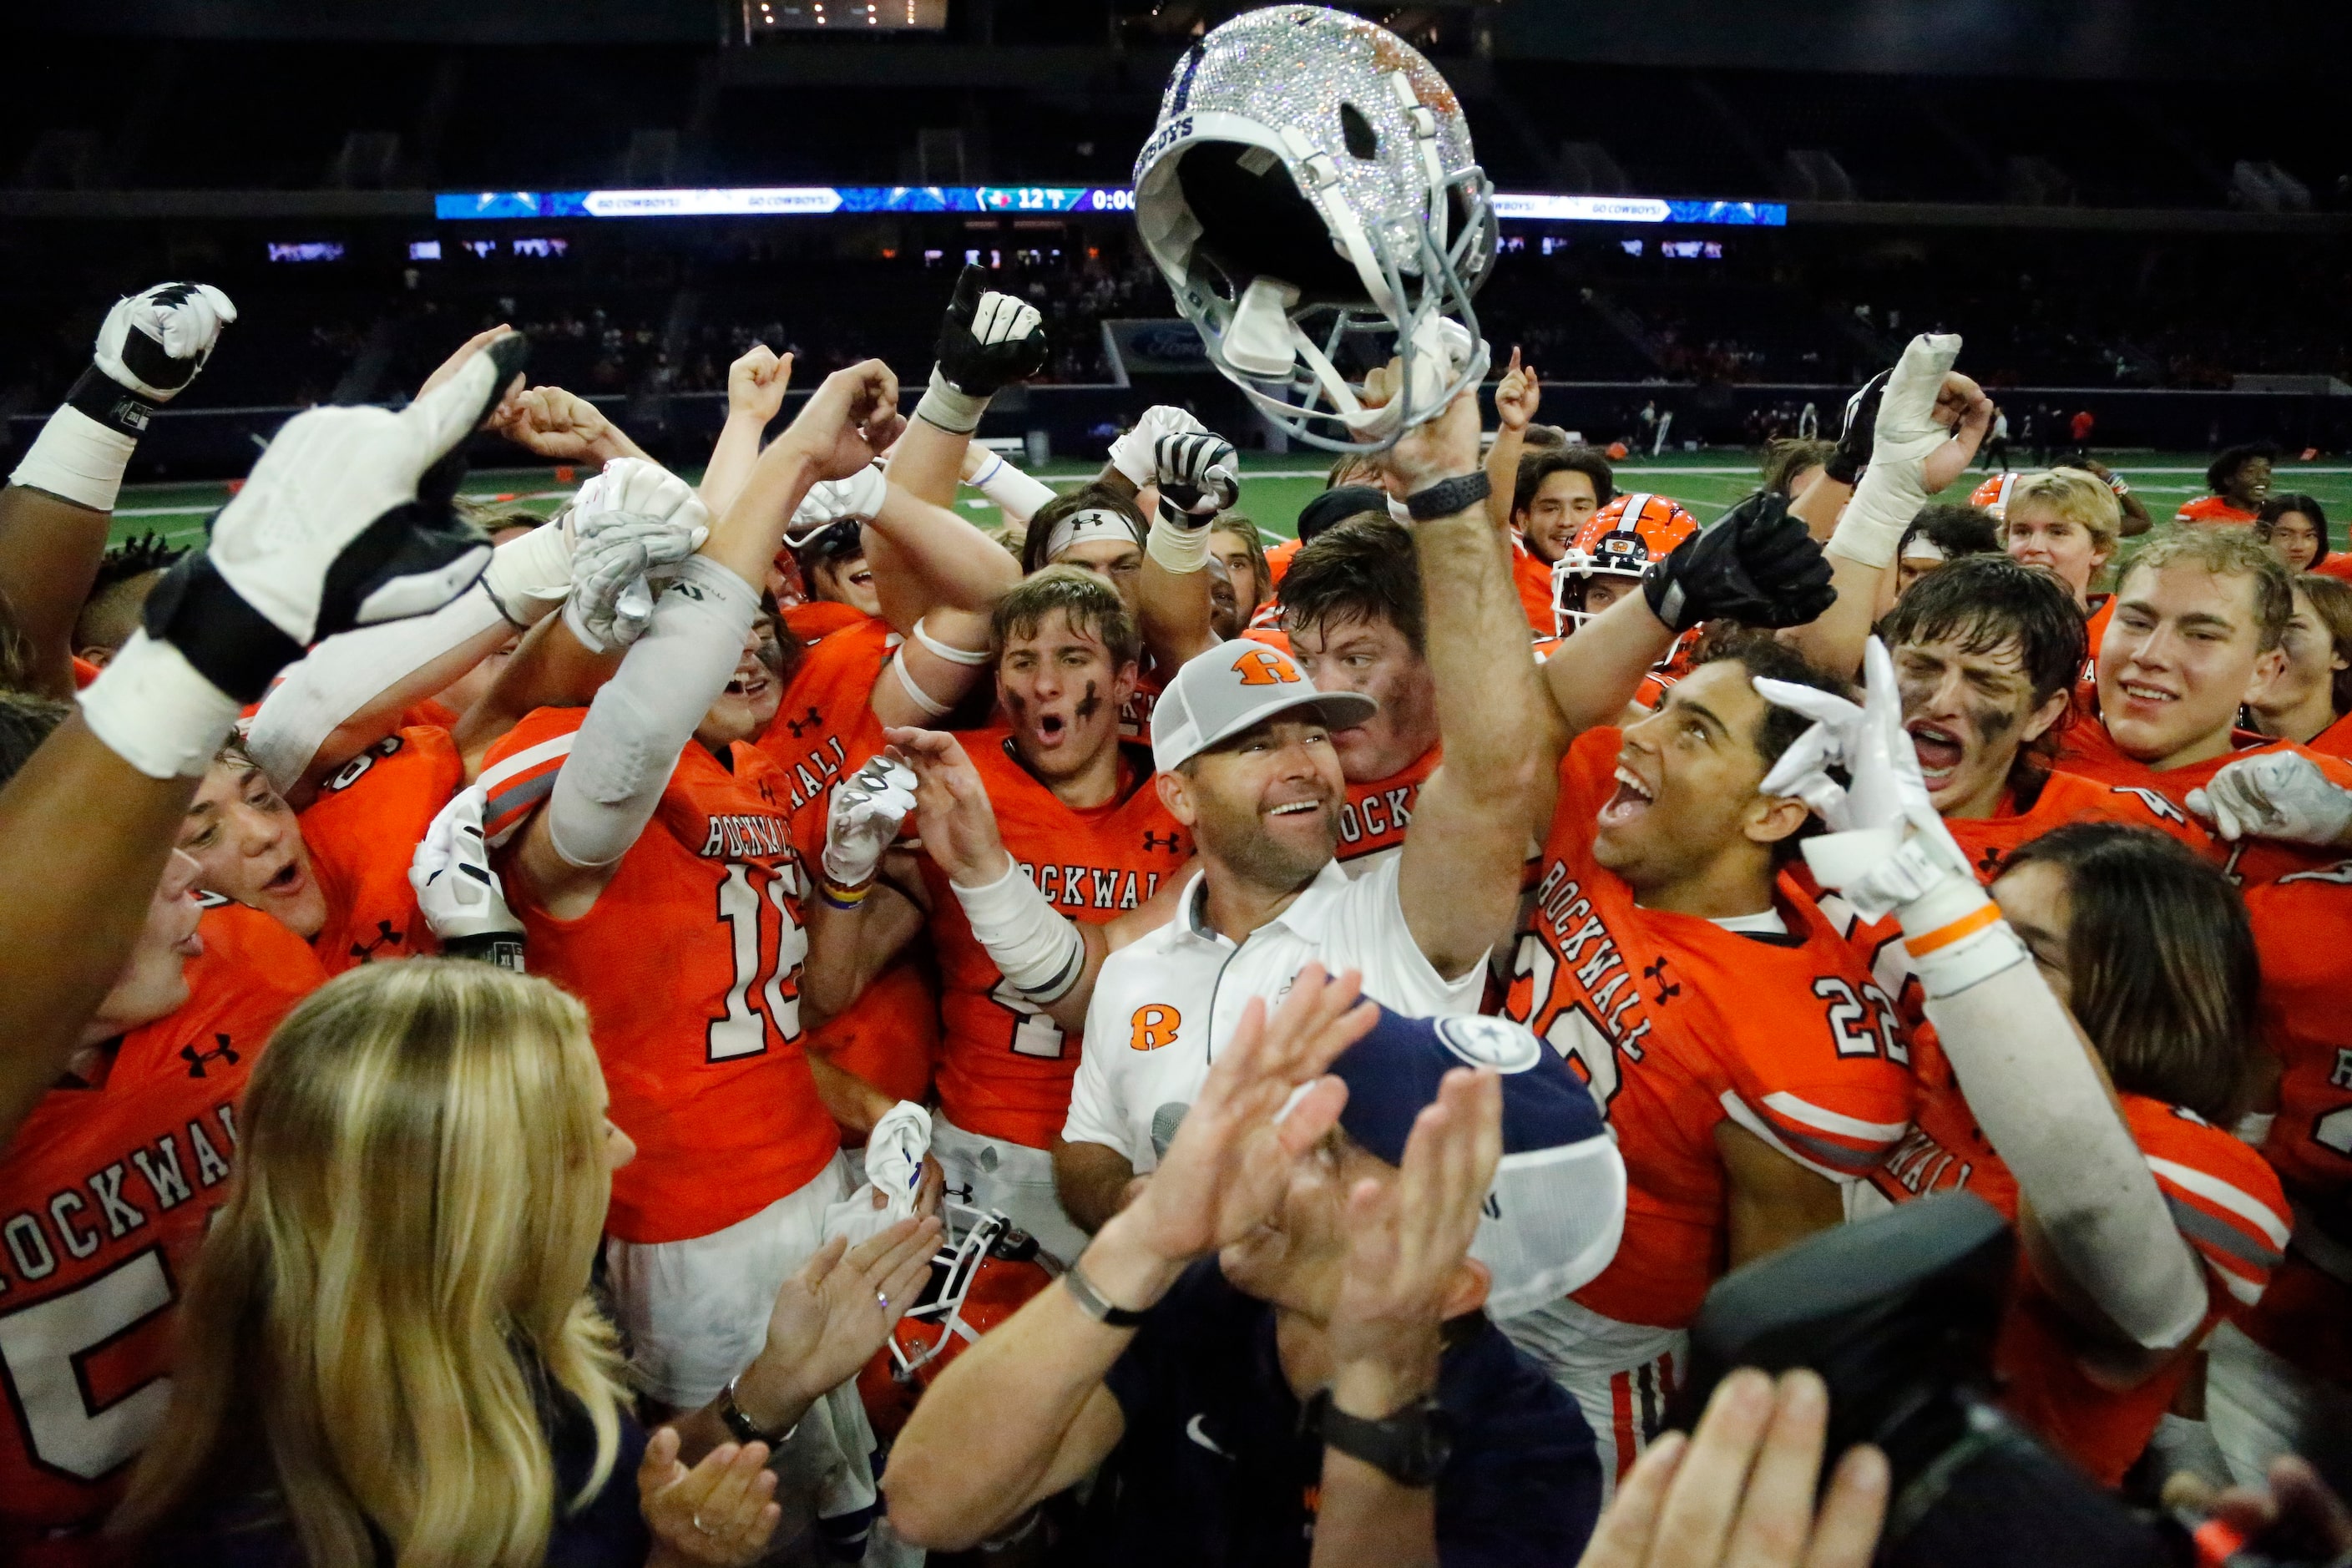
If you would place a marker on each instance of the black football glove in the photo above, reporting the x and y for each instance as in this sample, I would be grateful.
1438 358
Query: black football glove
987 341
1757 566
1853 454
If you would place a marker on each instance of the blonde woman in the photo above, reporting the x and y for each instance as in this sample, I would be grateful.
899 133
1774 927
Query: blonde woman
388 1353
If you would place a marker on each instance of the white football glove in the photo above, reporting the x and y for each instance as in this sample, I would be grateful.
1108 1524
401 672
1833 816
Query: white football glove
155 342
460 896
862 822
636 521
2279 794
830 500
1887 845
1894 486
1135 453
345 521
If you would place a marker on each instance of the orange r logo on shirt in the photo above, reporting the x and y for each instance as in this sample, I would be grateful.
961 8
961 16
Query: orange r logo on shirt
1265 667
1154 1025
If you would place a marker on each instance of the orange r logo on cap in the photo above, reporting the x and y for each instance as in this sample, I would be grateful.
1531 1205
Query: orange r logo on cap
1154 1026
1264 667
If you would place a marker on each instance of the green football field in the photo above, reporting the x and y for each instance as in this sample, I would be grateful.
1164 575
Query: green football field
1276 487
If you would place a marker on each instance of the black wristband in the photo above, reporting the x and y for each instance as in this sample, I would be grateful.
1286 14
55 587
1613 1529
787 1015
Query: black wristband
1448 496
230 642
1411 1446
499 949
742 1427
111 404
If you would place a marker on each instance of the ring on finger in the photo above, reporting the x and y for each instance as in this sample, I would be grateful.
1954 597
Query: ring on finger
701 1527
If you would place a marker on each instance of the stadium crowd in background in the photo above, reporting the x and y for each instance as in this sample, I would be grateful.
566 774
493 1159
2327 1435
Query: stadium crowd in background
754 1021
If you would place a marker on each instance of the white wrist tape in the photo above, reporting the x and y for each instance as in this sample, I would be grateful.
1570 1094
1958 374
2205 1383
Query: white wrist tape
1041 953
971 659
1177 549
1016 495
958 413
155 711
920 697
1871 528
77 458
2034 1093
529 576
1956 936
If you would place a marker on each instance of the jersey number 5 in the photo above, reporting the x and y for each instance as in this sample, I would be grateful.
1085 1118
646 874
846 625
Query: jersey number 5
740 1031
45 1350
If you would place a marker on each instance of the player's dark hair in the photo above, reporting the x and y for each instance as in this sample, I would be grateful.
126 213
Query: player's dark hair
1041 525
26 720
1090 606
1537 467
2160 962
1761 654
2225 466
134 558
2278 506
1539 436
1360 570
2331 601
1957 531
1986 602
110 612
1786 457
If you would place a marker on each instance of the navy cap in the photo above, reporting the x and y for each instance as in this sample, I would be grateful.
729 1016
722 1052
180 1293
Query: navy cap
1556 1209
1337 505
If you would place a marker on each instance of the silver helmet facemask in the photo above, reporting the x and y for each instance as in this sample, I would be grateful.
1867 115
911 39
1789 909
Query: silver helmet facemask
1310 195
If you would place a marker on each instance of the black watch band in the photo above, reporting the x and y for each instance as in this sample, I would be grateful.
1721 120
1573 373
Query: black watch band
1411 1446
1448 496
1094 1304
742 1426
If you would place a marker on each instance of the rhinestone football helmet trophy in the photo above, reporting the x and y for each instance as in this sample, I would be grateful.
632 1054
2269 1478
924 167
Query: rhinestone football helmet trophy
1310 195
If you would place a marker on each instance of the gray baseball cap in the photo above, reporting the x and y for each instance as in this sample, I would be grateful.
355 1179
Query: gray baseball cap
1235 687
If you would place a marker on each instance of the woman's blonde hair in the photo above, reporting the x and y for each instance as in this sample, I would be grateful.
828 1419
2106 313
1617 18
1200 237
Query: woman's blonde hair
399 1276
2077 495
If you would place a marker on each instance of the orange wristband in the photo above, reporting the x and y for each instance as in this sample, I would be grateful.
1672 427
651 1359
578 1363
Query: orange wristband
1975 921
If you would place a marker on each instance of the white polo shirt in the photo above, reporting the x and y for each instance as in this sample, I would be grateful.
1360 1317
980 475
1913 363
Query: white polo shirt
1164 1005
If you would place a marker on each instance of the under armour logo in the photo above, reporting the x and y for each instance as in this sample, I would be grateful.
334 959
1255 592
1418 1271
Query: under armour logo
1988 863
1667 988
767 791
222 1051
364 952
797 725
961 1194
1154 841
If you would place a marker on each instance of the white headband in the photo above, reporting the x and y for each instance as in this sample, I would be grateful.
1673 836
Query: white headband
1089 522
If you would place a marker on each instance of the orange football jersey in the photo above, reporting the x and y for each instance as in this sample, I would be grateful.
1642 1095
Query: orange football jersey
361 832
2303 926
825 728
105 1193
1531 575
2226 1202
2085 747
812 619
1005 1066
2212 510
2336 563
1677 1024
1135 713
1278 560
1378 811
689 964
2086 686
2336 741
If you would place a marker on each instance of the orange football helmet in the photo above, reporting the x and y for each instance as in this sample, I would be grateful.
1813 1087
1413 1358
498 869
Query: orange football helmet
984 1272
1622 540
1993 494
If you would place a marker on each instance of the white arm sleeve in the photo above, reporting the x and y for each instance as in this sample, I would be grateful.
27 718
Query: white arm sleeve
1014 492
629 744
344 673
2041 1102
